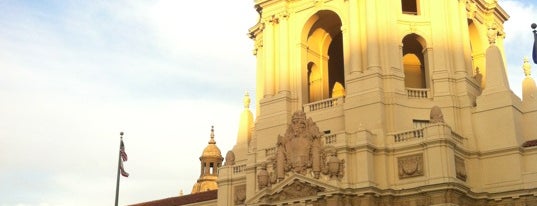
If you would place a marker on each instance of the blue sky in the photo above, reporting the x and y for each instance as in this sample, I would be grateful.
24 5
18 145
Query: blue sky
73 74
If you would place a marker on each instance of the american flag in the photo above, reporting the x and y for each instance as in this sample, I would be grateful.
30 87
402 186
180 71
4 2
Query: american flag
123 158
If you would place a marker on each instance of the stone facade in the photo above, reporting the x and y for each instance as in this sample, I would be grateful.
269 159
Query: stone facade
388 102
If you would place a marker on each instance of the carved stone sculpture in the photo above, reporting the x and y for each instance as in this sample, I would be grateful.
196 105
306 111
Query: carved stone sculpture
410 166
333 167
299 150
262 177
436 115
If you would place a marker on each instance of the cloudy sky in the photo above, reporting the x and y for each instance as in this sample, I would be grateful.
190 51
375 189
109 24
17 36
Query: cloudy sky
73 74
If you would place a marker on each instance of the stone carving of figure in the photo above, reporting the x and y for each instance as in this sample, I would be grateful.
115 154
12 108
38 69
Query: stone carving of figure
299 150
230 158
262 177
436 115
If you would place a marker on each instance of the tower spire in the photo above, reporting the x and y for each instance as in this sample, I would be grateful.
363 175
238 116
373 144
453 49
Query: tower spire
211 159
211 141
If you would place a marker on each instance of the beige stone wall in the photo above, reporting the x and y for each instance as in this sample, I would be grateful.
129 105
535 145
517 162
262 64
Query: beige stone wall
391 157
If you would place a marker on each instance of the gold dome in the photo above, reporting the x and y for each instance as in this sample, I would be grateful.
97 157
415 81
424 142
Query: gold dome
211 151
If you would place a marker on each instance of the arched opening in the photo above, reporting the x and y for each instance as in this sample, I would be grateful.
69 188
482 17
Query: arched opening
212 168
414 74
324 55
335 63
478 53
414 64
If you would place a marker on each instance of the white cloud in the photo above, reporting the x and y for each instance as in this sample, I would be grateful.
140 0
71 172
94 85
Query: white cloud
72 76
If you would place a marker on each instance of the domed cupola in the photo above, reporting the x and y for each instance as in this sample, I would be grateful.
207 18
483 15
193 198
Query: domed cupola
211 159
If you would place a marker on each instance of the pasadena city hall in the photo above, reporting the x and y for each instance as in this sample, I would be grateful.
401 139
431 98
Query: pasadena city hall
377 103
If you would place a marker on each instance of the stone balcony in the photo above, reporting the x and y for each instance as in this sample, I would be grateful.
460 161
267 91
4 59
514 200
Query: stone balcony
430 132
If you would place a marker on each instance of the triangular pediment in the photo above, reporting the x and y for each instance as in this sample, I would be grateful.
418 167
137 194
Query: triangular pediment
295 187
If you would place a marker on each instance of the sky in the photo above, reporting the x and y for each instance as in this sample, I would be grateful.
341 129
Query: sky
74 74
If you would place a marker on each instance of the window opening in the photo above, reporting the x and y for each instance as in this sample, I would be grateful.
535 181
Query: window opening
409 7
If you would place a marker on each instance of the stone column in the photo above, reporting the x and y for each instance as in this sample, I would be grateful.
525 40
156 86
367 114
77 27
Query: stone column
373 60
463 20
268 43
457 40
351 39
284 53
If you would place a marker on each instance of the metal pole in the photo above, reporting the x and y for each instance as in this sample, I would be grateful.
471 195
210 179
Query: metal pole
118 163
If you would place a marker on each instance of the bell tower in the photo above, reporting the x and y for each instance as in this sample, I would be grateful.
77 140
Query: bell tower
384 102
211 159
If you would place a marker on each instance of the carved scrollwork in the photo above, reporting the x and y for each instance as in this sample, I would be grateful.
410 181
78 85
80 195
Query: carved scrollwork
296 189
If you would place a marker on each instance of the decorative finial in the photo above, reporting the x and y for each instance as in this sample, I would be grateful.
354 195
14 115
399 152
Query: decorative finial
246 100
436 115
181 193
212 136
527 67
121 134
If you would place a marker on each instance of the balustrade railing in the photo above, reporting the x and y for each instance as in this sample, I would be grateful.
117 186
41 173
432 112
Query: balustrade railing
239 168
408 135
417 93
325 103
330 139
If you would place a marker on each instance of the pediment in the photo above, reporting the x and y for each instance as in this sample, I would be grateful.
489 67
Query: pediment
295 187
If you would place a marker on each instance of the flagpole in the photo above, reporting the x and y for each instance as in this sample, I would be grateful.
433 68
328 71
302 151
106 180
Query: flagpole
118 164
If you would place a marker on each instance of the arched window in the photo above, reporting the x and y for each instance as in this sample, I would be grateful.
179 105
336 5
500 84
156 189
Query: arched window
324 54
414 73
478 52
414 64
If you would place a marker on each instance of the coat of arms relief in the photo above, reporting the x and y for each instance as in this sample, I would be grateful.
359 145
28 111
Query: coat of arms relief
300 151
